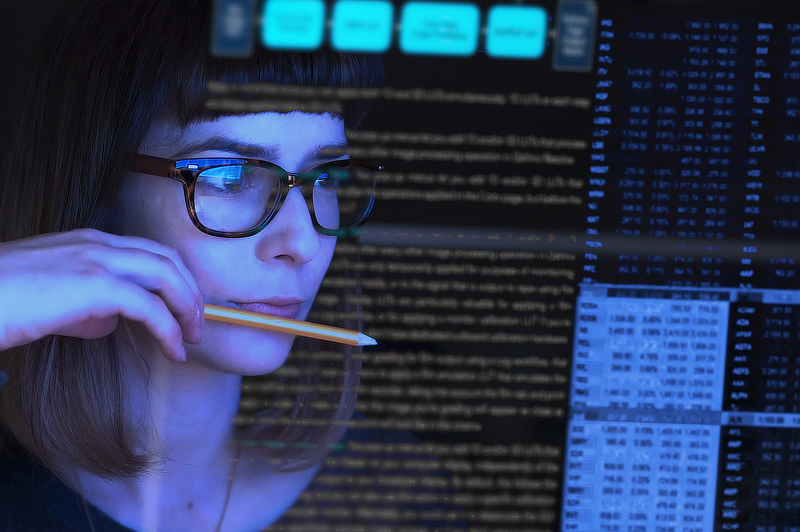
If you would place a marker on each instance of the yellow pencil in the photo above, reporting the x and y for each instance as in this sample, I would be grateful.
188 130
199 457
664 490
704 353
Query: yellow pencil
287 325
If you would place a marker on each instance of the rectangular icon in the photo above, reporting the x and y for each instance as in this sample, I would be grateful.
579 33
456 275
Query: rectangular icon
438 28
293 24
362 26
573 49
516 32
232 29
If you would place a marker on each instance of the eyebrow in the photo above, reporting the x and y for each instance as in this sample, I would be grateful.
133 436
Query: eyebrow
230 145
255 151
327 151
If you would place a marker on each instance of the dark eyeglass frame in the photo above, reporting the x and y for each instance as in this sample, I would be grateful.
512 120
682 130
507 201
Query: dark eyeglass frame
160 167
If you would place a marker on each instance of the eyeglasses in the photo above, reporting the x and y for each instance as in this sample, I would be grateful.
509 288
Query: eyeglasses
233 198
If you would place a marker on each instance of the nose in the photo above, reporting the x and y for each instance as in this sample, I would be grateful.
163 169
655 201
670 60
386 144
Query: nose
290 236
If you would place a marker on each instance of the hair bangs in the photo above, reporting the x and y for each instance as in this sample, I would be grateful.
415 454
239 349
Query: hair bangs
186 96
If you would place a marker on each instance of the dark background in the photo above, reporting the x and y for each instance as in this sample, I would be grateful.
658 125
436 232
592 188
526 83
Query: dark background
22 25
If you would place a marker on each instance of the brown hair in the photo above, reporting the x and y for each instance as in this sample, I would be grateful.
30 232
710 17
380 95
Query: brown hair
104 72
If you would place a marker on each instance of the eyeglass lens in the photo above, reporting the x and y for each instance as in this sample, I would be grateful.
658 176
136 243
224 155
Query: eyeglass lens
240 197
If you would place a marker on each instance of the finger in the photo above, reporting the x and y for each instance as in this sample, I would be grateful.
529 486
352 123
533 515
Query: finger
173 255
146 244
130 301
155 273
149 264
96 313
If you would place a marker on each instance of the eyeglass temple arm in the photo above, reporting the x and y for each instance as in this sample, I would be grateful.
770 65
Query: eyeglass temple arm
150 165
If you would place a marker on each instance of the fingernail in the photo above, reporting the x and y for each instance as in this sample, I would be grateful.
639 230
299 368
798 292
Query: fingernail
201 322
182 353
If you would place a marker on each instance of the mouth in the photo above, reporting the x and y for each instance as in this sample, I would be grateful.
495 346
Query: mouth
280 307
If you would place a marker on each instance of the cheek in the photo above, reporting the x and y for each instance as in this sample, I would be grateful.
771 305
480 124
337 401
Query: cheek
211 262
327 248
149 207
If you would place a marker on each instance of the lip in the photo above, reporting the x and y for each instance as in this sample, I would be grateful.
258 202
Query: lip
280 307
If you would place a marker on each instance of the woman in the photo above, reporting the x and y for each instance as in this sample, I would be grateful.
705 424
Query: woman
116 384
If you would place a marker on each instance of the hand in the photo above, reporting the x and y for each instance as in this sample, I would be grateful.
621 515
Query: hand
79 283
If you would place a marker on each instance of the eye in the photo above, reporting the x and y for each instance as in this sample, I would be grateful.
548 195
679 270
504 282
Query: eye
335 175
326 182
224 178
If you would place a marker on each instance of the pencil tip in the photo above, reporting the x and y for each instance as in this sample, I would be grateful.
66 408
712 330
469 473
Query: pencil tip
363 340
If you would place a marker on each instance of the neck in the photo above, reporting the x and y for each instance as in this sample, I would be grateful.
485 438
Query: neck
188 410
185 414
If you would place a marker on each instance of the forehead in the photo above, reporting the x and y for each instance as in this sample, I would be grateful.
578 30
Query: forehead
289 136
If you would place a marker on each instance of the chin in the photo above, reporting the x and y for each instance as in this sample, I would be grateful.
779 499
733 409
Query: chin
241 350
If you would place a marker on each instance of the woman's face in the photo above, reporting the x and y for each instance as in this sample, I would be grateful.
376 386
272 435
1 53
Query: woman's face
277 271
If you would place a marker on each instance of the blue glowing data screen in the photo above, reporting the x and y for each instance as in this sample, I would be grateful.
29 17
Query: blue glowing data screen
582 266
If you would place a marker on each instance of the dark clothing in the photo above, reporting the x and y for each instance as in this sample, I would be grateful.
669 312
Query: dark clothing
32 499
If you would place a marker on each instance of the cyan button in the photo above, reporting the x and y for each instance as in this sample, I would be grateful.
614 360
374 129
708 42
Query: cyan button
437 28
362 26
516 32
293 24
